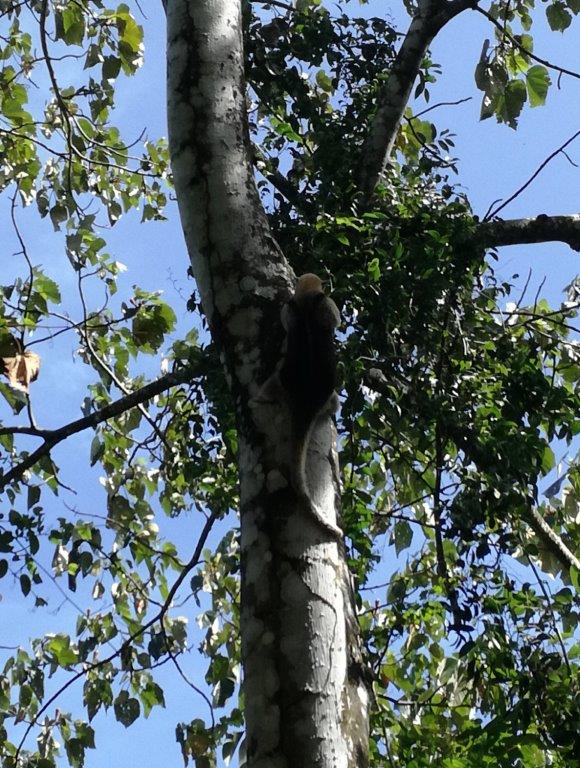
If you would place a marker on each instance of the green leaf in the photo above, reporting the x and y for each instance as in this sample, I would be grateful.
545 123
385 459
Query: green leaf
575 578
230 747
223 690
94 56
6 539
559 18
151 696
127 709
482 78
46 287
324 82
58 214
285 129
111 67
403 535
33 496
537 82
97 450
85 734
512 103
60 647
548 460
374 268
70 24
527 42
25 584
75 752
151 324
131 32
97 693
130 39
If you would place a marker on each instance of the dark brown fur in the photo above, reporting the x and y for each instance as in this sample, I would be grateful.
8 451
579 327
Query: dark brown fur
308 372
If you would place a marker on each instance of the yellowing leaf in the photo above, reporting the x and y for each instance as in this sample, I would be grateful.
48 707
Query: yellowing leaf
21 369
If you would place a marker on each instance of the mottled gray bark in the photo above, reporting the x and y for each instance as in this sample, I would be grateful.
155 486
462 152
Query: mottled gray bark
305 701
430 17
541 229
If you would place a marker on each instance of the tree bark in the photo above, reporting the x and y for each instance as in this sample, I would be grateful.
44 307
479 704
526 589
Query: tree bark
305 700
541 229
430 17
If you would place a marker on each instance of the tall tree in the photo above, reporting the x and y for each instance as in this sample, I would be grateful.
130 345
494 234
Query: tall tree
294 149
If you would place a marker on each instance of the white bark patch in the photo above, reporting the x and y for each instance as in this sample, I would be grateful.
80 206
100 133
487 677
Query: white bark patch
218 202
253 471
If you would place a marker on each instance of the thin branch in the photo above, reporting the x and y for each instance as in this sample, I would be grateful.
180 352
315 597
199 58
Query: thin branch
185 678
543 164
278 4
193 561
72 326
110 522
68 118
282 184
86 336
24 252
548 598
441 104
541 229
428 149
51 74
24 310
53 437
522 48
26 137
550 539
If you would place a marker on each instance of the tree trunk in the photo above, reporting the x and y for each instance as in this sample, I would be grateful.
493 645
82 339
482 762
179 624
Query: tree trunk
306 703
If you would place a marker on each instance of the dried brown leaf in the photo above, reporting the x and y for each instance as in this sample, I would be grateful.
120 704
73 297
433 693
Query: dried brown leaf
20 369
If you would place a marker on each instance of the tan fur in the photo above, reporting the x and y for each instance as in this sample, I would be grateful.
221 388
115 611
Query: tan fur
308 283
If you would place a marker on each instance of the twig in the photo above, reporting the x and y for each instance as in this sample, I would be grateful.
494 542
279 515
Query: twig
523 49
549 602
186 680
158 617
106 368
53 437
540 168
24 311
441 104
282 184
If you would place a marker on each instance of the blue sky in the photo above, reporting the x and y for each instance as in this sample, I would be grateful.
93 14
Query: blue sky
494 161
